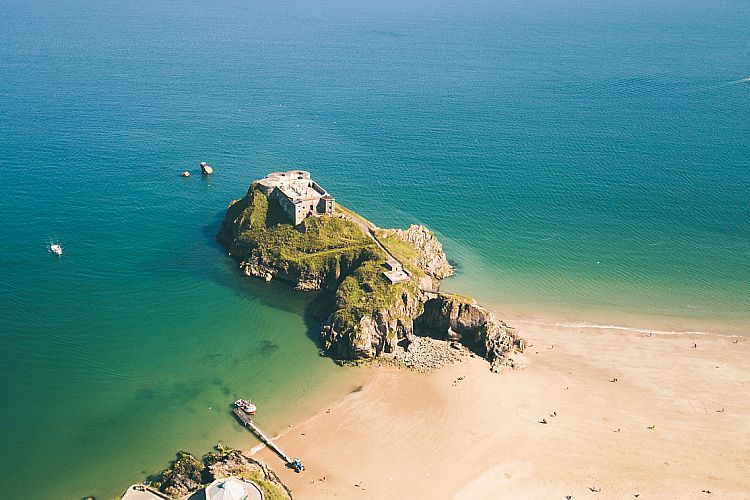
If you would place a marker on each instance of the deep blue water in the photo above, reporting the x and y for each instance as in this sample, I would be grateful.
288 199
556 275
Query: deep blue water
587 161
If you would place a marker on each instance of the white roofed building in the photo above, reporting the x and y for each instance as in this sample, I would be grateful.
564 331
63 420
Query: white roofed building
233 488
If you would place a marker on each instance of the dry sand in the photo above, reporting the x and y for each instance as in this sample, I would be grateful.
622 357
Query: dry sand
407 435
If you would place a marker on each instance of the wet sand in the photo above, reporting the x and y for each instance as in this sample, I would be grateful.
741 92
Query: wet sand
627 413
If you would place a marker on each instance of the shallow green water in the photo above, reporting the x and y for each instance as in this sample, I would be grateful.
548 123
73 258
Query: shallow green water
581 160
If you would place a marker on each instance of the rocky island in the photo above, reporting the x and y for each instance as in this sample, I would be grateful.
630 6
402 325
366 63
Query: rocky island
380 287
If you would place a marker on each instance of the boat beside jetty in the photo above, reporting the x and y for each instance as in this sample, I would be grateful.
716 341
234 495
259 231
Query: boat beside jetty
246 405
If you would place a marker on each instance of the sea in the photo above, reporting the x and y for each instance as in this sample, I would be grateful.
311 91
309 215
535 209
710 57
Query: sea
585 162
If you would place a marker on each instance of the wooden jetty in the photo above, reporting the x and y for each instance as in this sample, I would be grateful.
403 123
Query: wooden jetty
248 422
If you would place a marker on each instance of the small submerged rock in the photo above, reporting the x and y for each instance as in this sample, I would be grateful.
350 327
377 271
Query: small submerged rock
185 174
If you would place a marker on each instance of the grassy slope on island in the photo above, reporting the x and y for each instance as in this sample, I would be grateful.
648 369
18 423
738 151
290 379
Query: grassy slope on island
367 291
405 252
270 490
319 241
315 245
351 213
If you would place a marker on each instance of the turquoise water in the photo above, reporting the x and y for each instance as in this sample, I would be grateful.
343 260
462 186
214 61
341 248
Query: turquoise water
581 160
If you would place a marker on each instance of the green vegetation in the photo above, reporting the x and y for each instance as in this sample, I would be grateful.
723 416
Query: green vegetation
184 473
366 290
316 245
458 297
351 213
404 251
336 246
270 490
187 473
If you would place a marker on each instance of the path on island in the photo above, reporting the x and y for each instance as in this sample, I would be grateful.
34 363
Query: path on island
369 231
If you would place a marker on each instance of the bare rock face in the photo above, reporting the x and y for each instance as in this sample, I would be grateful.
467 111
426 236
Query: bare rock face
253 264
463 320
206 168
184 476
425 335
375 334
432 258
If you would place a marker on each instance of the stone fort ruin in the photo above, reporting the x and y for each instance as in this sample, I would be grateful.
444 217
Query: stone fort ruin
297 194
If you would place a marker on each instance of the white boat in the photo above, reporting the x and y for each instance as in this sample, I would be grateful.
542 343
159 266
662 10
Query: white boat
246 406
55 249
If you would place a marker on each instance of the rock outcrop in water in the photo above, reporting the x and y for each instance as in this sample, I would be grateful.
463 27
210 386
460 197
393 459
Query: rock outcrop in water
368 316
206 169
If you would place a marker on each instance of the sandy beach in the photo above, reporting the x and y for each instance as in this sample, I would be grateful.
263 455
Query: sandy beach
628 415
